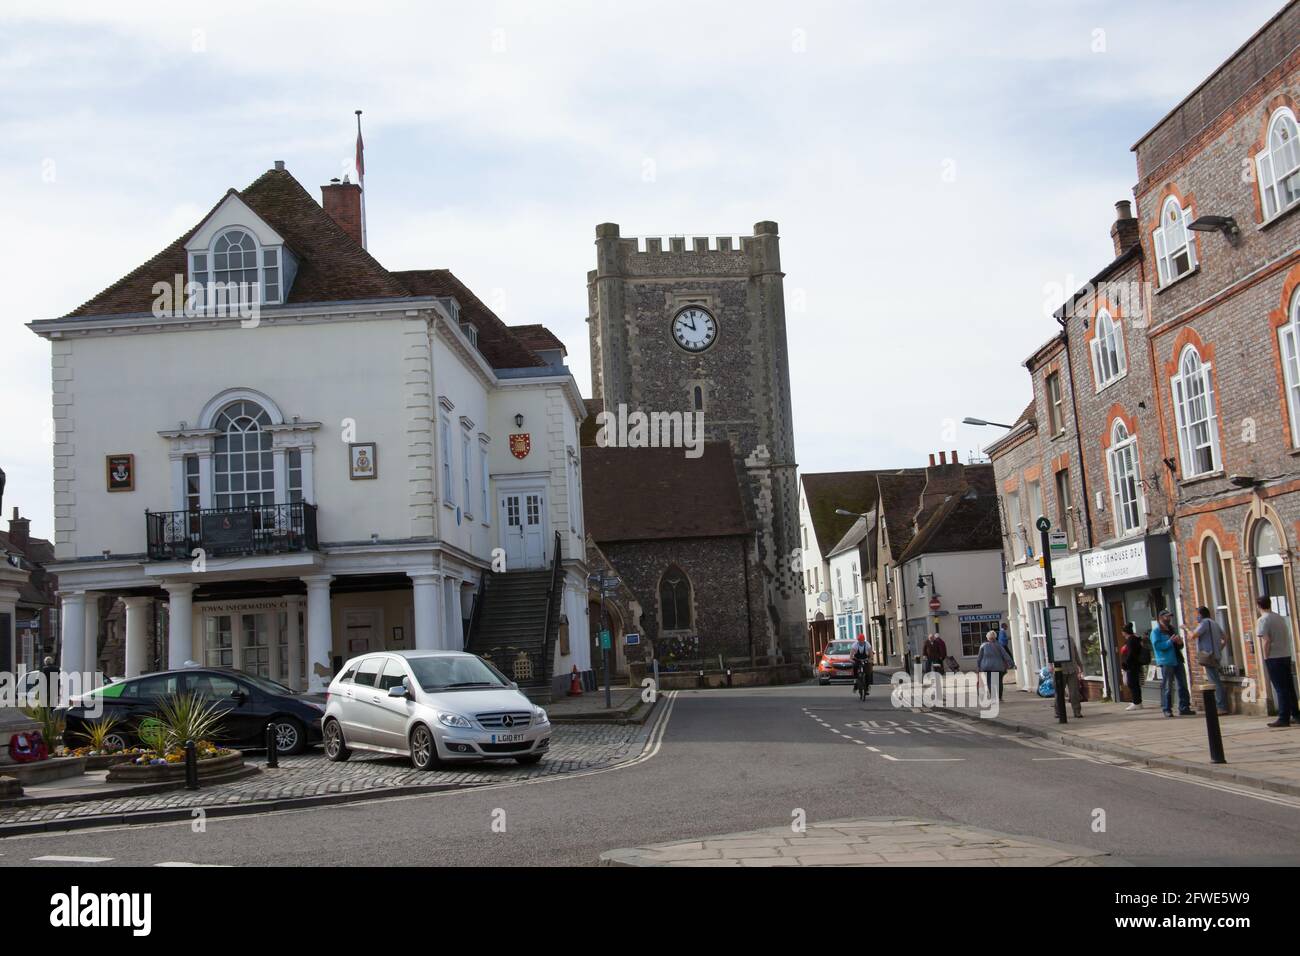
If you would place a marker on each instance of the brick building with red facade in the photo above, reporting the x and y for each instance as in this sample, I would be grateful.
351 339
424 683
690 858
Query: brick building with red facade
1179 363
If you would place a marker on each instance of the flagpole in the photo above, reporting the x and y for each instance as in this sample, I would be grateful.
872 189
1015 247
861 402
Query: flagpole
361 179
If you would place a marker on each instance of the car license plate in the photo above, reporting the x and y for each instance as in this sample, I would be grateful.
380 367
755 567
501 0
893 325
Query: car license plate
507 738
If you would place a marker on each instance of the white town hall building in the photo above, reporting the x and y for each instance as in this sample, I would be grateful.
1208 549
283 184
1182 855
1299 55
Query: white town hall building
324 459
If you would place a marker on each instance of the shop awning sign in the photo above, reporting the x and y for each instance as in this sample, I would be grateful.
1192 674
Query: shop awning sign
1125 563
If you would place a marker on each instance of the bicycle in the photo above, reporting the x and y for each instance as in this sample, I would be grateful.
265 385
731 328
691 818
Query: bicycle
862 679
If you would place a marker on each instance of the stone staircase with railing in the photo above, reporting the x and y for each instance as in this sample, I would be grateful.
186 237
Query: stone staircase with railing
515 626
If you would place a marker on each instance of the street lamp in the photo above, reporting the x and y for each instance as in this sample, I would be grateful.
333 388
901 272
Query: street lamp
849 514
980 421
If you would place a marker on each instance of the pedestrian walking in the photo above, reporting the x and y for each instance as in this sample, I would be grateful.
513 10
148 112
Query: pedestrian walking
1134 658
1167 644
1004 640
993 660
934 651
1072 672
1209 648
1275 644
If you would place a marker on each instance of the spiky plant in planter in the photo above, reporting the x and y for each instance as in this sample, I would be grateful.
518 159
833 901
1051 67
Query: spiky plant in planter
51 721
181 718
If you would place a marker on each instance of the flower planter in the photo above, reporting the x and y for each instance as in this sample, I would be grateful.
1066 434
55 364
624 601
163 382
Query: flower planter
105 761
174 772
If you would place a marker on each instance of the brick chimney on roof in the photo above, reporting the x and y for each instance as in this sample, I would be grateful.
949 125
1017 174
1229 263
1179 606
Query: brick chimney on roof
1125 230
342 200
20 531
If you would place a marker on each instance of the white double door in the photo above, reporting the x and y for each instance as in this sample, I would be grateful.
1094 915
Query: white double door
522 517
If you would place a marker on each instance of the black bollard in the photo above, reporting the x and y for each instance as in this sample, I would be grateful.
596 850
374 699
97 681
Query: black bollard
1212 726
272 752
701 678
191 766
728 676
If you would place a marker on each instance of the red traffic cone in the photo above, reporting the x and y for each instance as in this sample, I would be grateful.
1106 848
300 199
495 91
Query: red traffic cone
575 689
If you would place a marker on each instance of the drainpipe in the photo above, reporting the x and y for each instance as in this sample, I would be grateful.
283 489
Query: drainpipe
749 620
1078 437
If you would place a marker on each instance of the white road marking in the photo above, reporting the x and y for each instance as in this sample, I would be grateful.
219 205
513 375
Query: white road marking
71 859
181 863
923 759
874 750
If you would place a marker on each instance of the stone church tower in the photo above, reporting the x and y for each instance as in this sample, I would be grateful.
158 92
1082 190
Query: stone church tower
703 327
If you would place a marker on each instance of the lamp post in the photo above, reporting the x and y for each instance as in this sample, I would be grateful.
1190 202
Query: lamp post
606 585
980 421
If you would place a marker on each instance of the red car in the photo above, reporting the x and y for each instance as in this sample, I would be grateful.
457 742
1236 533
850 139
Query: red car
836 662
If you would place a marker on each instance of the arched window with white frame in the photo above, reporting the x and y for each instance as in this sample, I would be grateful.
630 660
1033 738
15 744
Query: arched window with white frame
1198 429
1125 480
1289 342
236 270
1175 252
243 463
1278 165
1108 359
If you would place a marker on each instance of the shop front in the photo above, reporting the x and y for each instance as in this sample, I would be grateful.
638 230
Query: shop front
1130 582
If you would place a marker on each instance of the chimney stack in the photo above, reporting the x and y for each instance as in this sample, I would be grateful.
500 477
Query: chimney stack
342 200
1125 231
931 459
20 531
954 456
943 458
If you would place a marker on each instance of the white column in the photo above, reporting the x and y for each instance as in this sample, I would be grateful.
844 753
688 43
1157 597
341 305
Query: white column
137 634
273 637
198 635
309 474
90 660
280 462
180 622
178 482
205 479
449 623
237 641
295 655
73 613
425 586
455 623
320 632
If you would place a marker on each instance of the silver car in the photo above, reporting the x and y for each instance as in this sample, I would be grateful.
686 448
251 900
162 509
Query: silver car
435 707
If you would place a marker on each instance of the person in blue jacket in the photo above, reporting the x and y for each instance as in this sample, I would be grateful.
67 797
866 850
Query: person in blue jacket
1167 644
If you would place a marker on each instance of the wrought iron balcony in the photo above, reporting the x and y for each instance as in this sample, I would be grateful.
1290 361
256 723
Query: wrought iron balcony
257 529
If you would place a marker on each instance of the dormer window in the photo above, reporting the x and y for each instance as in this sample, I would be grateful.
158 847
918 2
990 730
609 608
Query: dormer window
471 332
236 271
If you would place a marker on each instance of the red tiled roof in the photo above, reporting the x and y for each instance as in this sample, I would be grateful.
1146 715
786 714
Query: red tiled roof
498 344
642 494
538 338
332 267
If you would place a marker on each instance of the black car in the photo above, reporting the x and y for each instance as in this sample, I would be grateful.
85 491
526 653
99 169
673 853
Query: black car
248 703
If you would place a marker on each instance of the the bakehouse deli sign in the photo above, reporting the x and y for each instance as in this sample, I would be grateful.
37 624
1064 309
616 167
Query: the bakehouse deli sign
1129 562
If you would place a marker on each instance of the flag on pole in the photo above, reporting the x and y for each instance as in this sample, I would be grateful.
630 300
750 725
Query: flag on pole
361 178
361 159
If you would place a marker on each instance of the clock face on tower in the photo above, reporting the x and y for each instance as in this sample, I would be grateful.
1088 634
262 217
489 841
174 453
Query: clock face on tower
694 328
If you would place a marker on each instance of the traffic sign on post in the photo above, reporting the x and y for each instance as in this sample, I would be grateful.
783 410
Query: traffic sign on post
935 604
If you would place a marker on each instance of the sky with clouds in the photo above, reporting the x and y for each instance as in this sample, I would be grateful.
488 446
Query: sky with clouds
935 168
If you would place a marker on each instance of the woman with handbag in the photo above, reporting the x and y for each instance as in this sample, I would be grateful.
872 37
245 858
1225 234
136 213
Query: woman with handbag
1209 647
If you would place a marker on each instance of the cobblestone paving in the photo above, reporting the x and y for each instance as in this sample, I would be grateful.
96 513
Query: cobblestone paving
573 748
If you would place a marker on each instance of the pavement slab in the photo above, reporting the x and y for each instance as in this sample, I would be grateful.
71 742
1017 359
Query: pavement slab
1257 755
883 841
